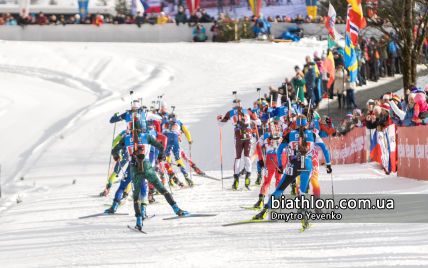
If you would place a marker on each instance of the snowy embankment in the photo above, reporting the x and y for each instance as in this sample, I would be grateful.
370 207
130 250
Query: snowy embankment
55 109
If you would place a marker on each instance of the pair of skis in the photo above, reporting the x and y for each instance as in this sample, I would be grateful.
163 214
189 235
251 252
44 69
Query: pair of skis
191 215
305 223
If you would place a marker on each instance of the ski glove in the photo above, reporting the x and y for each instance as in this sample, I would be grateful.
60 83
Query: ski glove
329 170
261 163
280 171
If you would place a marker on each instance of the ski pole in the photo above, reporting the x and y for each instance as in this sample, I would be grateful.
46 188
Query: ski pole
332 187
170 189
190 158
260 109
0 180
221 157
331 174
109 162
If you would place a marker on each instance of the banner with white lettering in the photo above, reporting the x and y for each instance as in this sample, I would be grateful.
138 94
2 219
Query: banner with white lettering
348 149
413 152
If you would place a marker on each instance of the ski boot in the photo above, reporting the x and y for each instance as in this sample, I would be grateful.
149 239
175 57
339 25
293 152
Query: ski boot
188 180
178 211
139 223
260 203
304 221
197 170
173 180
235 182
261 215
247 180
259 178
113 208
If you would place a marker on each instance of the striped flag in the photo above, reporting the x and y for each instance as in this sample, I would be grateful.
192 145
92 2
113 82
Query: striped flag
330 68
256 7
351 62
355 20
330 22
192 5
312 8
356 7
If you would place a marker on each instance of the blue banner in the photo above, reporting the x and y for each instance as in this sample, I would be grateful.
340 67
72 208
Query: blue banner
83 8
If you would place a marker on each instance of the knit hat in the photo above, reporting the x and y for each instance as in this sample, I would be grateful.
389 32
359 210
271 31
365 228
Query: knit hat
370 101
396 98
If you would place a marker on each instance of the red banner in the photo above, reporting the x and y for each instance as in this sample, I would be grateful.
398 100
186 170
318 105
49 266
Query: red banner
413 152
348 149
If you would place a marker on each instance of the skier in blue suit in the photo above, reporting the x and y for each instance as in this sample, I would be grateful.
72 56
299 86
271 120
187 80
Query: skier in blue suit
300 145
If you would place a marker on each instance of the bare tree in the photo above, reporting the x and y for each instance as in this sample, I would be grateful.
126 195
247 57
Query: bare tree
408 20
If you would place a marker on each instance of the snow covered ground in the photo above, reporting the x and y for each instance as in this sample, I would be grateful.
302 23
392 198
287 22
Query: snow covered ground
55 102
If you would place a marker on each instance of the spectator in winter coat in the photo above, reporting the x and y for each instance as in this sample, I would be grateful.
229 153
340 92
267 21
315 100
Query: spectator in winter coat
180 17
199 33
338 59
420 115
310 70
205 16
42 19
194 18
392 56
357 118
361 66
350 94
371 117
374 56
261 27
215 29
339 85
384 118
299 83
327 127
162 18
346 125
383 60
99 20
139 20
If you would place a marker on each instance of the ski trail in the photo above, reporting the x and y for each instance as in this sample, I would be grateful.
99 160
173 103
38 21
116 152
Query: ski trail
49 223
105 98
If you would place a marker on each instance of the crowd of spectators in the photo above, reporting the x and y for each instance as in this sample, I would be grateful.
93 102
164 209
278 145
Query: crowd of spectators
378 58
390 108
179 17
